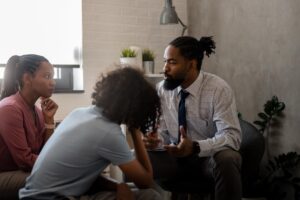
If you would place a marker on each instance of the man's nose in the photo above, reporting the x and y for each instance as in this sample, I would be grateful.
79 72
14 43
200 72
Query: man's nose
166 67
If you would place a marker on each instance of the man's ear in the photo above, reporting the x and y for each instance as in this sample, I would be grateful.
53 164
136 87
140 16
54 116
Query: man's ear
193 64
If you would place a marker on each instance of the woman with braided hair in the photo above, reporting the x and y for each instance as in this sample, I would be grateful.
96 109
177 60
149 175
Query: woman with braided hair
24 126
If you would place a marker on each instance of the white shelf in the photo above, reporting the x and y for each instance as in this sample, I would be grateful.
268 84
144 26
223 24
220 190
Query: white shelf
155 75
154 78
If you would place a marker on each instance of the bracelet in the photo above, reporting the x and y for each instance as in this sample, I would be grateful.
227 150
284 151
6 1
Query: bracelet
196 148
49 126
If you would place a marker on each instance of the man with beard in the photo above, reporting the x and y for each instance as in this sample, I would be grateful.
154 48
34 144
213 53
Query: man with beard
199 127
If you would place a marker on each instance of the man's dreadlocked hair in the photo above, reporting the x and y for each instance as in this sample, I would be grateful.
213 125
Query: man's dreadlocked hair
190 48
127 97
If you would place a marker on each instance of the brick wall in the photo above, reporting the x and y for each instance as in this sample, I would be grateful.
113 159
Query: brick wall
109 26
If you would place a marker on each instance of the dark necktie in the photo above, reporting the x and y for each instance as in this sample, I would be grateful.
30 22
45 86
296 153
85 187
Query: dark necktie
182 112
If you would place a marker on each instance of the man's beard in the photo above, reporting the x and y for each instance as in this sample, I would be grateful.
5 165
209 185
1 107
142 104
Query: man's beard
171 84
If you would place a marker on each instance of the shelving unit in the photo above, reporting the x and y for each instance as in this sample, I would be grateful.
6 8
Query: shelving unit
155 75
154 78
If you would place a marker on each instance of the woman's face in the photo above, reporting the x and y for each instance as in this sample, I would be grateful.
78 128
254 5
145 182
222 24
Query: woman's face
42 82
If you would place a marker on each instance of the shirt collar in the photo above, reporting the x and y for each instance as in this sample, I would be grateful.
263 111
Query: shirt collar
193 88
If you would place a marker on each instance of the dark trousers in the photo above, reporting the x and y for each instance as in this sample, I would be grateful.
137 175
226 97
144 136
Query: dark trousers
222 169
10 183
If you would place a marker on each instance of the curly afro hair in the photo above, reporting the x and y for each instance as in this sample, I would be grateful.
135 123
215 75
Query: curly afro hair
127 97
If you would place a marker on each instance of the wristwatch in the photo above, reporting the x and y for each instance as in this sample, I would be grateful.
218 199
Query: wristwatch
196 147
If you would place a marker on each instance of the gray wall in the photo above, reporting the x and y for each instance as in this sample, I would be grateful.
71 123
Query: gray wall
258 54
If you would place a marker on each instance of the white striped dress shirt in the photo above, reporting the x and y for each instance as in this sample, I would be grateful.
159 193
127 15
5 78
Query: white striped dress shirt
210 112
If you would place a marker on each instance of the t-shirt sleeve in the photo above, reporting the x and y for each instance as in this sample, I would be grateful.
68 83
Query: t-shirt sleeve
115 148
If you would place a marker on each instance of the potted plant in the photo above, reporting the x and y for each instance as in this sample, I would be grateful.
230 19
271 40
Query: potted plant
280 180
128 57
269 117
148 61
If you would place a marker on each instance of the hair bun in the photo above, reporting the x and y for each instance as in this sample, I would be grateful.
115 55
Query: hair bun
207 45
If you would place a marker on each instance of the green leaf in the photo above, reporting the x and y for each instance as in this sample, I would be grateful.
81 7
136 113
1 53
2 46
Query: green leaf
263 116
281 107
268 110
275 99
148 55
127 52
240 115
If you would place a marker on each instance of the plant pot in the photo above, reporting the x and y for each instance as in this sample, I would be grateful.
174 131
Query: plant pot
148 67
128 61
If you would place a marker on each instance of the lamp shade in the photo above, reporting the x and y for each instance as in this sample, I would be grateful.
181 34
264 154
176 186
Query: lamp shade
168 15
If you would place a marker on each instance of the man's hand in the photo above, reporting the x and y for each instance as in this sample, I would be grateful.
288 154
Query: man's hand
151 140
124 192
184 148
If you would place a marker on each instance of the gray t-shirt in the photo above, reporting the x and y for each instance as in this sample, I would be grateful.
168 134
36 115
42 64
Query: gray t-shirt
81 147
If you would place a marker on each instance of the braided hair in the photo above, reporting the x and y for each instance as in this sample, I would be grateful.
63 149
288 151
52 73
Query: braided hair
190 48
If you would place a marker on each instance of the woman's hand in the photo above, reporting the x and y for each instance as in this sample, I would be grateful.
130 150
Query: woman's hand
49 108
124 192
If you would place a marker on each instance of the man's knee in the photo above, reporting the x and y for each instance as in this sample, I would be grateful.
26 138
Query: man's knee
228 158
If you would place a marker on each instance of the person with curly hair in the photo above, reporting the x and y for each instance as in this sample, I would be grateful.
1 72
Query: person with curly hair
90 138
199 124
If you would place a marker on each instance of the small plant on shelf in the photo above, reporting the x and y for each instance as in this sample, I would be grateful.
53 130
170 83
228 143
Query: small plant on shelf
148 55
148 61
128 53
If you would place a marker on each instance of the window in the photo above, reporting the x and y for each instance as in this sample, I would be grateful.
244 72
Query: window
52 28
66 78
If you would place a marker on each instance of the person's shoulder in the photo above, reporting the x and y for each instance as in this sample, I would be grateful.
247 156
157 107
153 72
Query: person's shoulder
81 109
9 103
212 77
87 114
77 114
215 80
11 109
94 115
9 99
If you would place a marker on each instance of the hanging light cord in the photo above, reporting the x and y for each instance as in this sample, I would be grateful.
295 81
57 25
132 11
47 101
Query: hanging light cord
183 25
